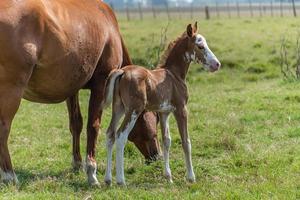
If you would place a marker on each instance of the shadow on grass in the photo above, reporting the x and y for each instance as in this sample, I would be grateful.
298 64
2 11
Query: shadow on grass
68 177
76 180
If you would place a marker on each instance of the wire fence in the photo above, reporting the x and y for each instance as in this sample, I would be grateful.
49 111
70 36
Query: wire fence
213 10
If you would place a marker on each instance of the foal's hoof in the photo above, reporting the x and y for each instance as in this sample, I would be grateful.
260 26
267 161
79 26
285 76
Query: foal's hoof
107 182
94 183
191 180
121 184
169 179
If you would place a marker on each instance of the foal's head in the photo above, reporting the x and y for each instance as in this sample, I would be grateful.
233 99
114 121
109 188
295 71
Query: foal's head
199 51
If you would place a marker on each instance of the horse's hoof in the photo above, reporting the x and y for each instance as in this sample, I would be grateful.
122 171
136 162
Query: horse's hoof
8 178
77 166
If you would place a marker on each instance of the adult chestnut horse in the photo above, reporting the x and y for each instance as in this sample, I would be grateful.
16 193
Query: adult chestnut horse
50 49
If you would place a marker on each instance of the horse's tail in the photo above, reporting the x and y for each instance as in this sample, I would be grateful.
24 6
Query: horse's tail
113 77
126 58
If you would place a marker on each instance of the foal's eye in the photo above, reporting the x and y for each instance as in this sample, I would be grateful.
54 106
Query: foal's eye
201 47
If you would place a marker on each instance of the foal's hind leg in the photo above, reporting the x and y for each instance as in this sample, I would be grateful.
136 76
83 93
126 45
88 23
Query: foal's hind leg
117 113
181 118
75 120
164 124
121 139
10 97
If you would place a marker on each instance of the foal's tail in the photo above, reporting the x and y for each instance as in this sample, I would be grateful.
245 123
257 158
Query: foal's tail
110 87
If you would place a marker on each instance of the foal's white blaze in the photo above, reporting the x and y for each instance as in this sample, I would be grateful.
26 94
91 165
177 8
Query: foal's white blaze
209 56
120 142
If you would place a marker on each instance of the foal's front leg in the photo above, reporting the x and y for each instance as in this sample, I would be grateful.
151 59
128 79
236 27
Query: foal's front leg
121 139
164 124
181 118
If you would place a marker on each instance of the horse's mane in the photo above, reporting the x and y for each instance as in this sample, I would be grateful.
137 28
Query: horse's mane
170 47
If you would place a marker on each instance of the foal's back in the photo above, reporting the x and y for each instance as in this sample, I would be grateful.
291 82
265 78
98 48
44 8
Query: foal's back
147 88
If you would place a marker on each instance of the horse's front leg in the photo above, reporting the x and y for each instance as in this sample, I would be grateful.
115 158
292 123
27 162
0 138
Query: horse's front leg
75 124
94 121
10 98
181 118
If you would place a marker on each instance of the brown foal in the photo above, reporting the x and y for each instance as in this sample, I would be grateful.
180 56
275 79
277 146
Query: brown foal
134 89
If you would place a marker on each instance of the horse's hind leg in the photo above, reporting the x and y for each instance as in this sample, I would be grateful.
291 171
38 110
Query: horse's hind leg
10 97
75 120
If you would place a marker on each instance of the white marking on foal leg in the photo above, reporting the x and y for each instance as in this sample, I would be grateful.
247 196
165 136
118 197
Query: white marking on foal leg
120 142
109 147
91 168
110 139
188 160
8 177
164 122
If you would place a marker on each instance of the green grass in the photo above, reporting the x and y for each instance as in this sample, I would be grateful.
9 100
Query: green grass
244 123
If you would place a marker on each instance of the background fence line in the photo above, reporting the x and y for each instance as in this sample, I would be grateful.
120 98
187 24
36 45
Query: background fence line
215 10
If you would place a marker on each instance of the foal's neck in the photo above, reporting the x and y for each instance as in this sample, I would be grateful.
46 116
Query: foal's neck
177 62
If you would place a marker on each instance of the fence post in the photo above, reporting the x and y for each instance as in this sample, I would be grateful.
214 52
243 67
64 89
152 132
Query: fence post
281 9
228 10
207 13
154 12
179 12
238 9
140 11
168 12
192 11
127 13
251 9
260 9
272 8
217 10
294 8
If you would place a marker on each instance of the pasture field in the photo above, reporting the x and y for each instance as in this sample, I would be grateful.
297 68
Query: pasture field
244 124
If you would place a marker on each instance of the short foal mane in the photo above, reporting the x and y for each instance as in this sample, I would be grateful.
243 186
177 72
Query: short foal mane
168 50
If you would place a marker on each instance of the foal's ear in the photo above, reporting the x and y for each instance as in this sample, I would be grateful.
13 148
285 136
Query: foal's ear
195 28
189 30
